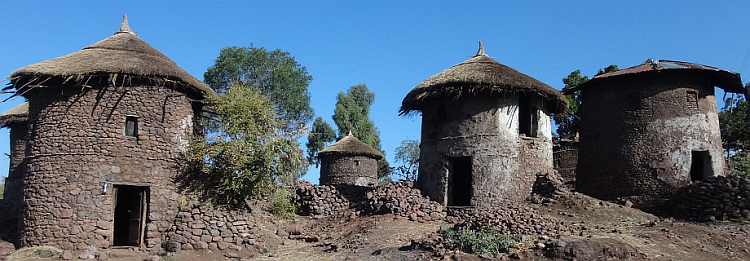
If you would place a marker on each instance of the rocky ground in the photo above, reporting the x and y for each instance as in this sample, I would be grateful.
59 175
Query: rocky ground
598 231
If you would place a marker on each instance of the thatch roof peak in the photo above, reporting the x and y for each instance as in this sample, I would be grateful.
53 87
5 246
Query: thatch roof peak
351 146
122 54
481 50
480 74
125 27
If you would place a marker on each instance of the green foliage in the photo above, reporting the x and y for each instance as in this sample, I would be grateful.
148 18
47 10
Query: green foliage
319 137
249 154
739 165
276 74
282 205
608 69
734 121
482 240
408 155
352 114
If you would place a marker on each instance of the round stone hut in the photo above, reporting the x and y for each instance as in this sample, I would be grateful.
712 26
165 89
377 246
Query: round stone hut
486 132
650 129
106 127
349 162
14 119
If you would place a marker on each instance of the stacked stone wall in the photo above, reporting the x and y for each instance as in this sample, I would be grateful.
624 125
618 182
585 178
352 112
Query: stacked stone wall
715 198
209 228
565 155
78 152
348 170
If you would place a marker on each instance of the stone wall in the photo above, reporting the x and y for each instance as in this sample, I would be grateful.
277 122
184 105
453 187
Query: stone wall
348 169
483 129
715 198
639 134
565 154
205 227
13 193
78 154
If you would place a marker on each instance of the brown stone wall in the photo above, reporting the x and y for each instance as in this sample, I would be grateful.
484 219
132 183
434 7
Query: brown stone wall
77 147
565 155
348 169
13 193
485 128
638 135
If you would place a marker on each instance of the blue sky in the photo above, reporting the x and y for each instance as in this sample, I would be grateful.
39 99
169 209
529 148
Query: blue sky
389 45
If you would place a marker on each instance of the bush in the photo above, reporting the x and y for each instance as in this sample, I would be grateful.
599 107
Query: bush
281 205
482 240
739 165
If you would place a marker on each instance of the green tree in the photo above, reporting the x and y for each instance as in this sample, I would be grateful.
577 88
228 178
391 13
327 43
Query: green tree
734 121
407 154
276 74
352 113
249 154
319 137
608 69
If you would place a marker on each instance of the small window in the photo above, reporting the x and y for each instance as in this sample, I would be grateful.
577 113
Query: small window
131 126
692 101
528 117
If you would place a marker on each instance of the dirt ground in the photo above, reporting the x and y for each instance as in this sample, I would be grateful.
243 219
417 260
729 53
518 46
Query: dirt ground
608 231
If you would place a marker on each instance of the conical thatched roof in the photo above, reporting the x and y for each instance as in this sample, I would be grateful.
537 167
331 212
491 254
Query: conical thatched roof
15 115
727 80
480 74
122 54
350 145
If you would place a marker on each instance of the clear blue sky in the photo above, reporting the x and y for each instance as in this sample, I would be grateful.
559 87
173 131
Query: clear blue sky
389 45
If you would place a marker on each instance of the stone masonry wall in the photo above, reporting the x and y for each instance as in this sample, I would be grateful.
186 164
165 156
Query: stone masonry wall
13 193
204 227
77 147
715 198
348 169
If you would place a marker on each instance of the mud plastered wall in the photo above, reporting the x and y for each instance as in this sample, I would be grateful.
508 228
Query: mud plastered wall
640 133
77 144
483 129
348 169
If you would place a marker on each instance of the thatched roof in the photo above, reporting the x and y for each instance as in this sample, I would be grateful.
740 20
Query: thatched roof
18 114
350 145
727 80
480 74
122 54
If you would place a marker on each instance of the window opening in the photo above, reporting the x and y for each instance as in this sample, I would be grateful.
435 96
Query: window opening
528 118
131 126
692 100
131 204
700 165
460 177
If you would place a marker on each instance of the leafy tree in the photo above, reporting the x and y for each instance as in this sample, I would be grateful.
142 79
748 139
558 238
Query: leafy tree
352 113
608 69
408 155
734 121
250 153
276 74
321 134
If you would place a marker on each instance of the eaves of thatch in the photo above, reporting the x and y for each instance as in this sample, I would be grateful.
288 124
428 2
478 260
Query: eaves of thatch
351 146
15 115
119 58
725 79
480 75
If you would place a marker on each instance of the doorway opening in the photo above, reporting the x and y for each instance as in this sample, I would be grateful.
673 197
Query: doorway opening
459 177
700 165
131 204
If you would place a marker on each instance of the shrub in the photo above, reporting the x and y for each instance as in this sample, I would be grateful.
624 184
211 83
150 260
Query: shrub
482 240
281 205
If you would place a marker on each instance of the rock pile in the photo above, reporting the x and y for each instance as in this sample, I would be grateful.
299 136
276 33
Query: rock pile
399 198
715 198
511 220
402 199
204 227
549 186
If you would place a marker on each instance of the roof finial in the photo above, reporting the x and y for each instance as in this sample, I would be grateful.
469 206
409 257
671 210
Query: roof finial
481 50
125 28
350 133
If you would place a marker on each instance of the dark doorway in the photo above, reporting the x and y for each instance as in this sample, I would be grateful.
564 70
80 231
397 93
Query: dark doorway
131 203
528 120
700 165
459 188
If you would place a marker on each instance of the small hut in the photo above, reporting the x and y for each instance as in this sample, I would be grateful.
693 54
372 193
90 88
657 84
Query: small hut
650 129
349 162
106 127
486 132
14 119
